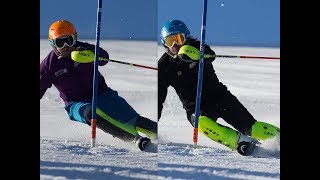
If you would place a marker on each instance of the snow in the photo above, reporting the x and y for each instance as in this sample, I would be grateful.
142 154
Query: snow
65 151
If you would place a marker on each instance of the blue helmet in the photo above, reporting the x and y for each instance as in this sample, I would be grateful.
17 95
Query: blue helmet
174 27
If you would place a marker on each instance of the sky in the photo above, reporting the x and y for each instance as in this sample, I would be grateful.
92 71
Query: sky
65 151
229 22
120 19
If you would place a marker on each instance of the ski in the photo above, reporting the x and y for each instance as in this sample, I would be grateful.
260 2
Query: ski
256 150
250 150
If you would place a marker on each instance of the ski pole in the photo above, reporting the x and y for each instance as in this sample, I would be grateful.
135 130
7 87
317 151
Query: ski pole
200 73
95 82
253 57
127 63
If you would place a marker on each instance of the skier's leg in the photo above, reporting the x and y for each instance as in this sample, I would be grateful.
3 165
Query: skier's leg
115 116
82 112
262 131
111 126
75 111
147 127
222 134
117 111
233 112
124 132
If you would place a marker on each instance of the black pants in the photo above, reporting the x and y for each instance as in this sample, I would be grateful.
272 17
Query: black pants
230 109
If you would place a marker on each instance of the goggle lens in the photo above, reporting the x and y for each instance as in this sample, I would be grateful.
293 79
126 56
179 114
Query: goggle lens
68 40
179 39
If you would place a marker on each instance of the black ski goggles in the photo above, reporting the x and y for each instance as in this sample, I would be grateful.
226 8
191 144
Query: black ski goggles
64 41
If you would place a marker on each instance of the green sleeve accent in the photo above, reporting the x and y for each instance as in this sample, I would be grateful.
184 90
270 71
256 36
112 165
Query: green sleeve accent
85 56
192 52
208 56
126 128
147 132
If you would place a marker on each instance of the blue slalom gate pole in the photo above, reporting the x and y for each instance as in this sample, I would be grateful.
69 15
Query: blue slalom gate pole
95 77
200 73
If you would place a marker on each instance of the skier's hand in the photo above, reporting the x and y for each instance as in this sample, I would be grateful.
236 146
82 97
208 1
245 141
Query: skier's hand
189 53
82 56
85 56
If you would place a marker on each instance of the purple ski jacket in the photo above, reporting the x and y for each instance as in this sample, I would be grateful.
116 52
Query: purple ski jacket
73 80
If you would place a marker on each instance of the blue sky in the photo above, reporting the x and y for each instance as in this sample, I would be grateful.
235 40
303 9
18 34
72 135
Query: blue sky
229 22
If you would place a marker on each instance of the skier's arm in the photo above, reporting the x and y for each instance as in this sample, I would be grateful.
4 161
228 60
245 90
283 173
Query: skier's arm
209 54
45 81
162 82
162 94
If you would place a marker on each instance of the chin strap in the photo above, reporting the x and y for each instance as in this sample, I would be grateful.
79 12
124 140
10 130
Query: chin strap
170 53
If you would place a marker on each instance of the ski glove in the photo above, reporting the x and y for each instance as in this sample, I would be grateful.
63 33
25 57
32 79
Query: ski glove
189 53
85 56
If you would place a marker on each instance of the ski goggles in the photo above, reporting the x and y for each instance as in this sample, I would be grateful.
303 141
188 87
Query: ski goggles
63 41
179 39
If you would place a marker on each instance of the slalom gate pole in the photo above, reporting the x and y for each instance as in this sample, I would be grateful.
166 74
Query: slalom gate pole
126 63
253 57
200 73
95 78
132 64
218 56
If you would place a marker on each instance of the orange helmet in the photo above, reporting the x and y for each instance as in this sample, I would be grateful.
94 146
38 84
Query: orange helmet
61 28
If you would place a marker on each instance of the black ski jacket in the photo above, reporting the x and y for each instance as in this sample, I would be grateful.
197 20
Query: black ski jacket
183 77
216 100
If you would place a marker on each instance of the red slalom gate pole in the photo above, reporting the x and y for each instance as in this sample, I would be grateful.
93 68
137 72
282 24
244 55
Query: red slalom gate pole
95 77
132 64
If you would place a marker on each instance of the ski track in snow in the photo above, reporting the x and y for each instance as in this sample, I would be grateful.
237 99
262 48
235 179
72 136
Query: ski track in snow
77 160
65 151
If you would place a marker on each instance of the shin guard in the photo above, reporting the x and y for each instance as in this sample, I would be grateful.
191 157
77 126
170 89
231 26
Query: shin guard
263 131
219 133
112 126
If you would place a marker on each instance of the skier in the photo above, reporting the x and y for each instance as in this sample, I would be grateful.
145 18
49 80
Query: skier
70 68
178 67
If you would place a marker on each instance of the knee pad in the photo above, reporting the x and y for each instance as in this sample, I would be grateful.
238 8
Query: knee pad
262 131
217 132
